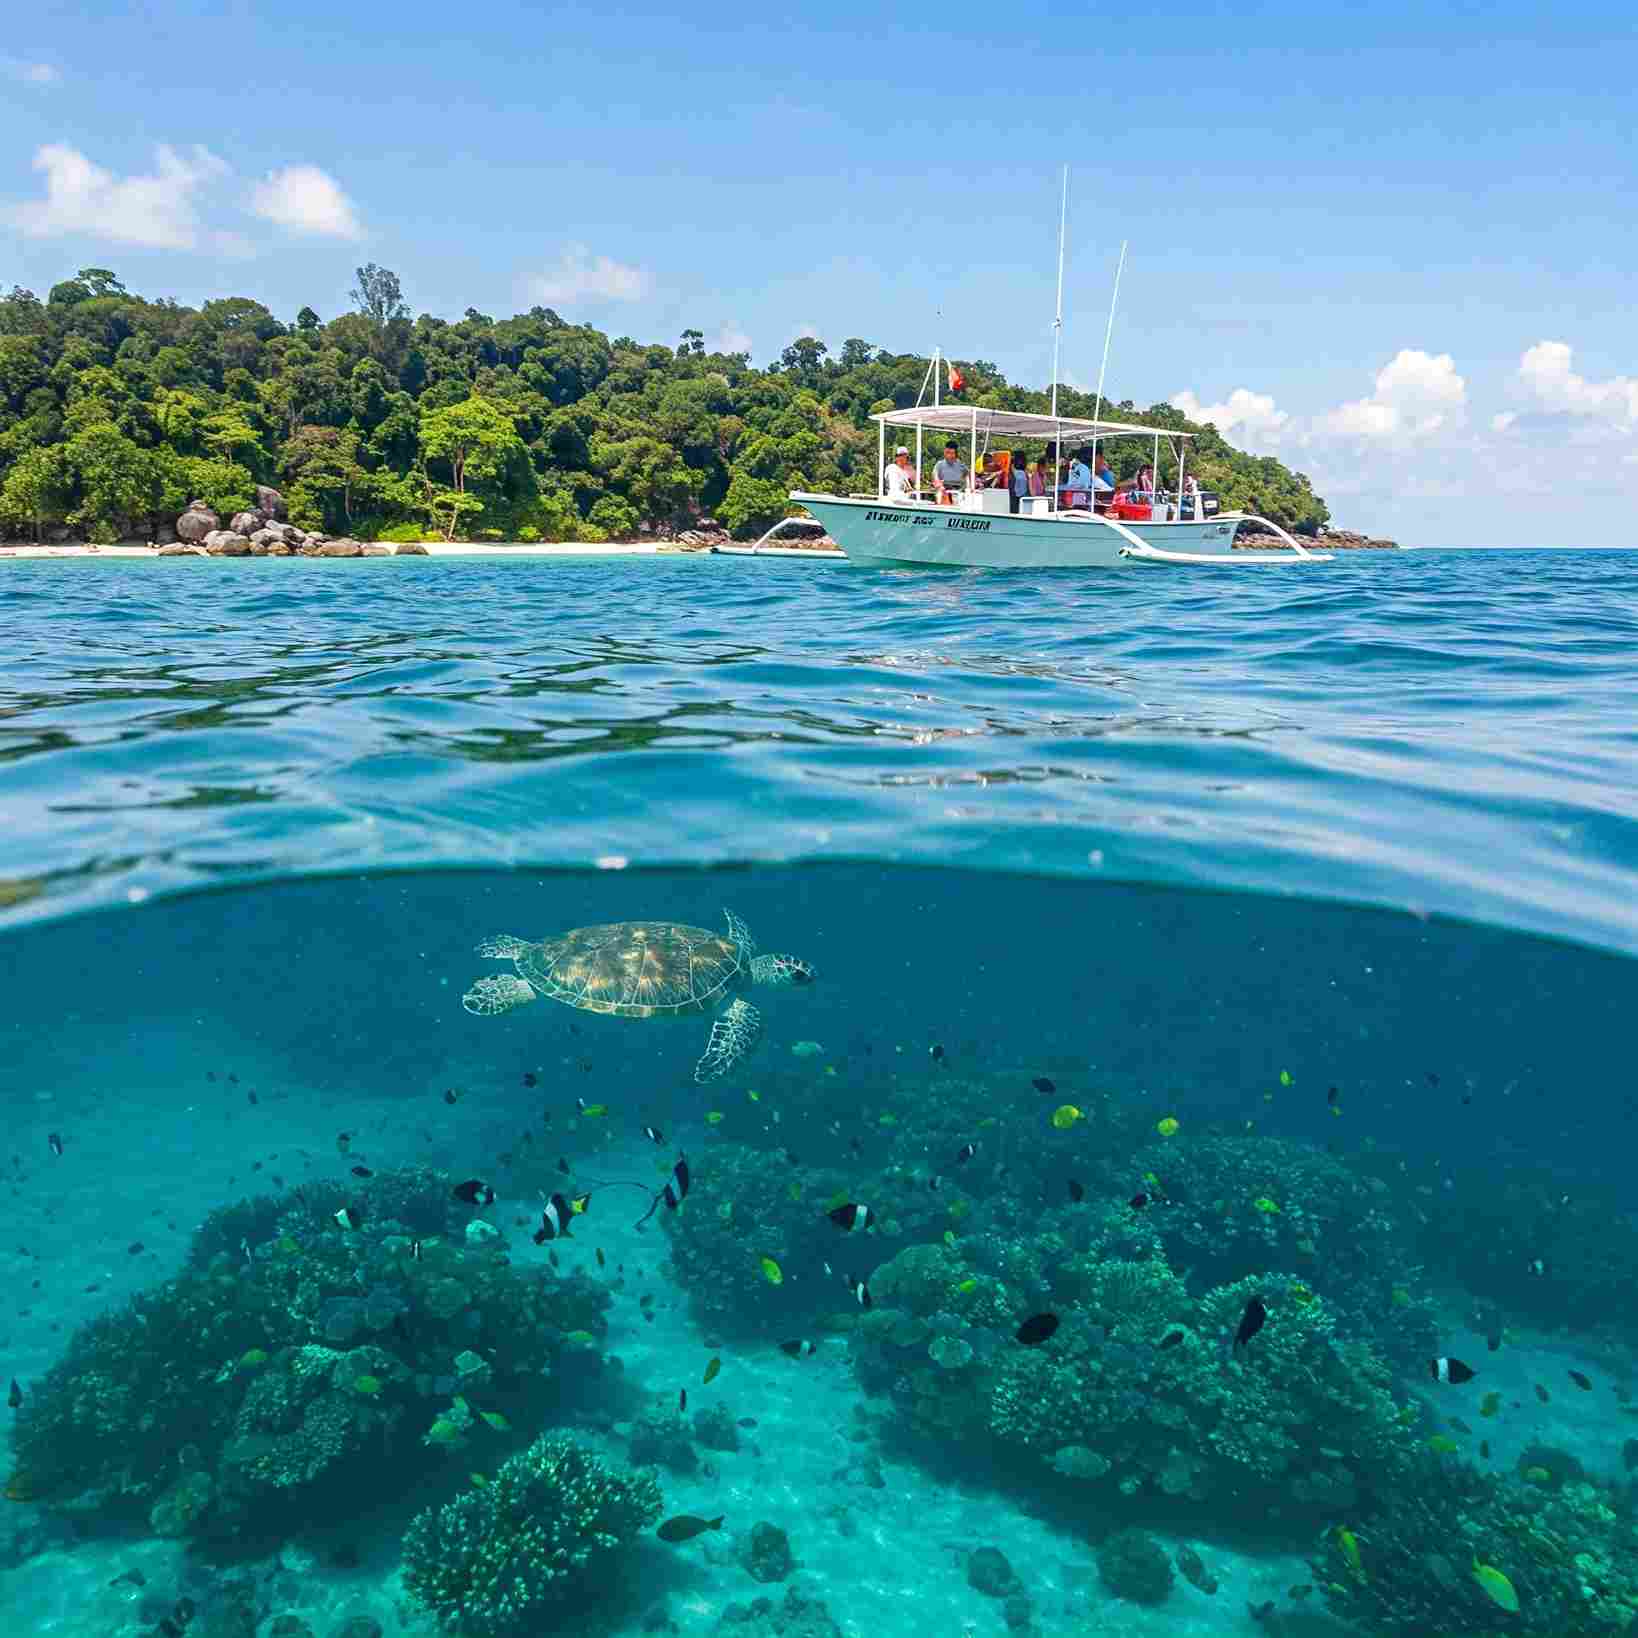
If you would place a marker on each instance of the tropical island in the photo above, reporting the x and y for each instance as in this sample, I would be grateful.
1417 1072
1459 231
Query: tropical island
118 413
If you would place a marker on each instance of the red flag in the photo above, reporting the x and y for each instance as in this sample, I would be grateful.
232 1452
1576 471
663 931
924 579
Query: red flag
957 379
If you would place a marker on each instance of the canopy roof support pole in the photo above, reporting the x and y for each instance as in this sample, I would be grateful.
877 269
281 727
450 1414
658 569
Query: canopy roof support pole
918 461
972 465
1058 322
881 459
1182 457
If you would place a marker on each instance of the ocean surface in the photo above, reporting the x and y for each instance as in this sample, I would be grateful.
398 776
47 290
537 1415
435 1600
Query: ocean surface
1184 952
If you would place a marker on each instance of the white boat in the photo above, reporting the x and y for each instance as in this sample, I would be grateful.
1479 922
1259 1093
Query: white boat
978 528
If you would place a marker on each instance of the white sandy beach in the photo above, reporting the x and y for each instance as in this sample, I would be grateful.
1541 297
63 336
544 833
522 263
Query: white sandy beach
434 549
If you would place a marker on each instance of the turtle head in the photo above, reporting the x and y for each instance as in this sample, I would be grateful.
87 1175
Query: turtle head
781 969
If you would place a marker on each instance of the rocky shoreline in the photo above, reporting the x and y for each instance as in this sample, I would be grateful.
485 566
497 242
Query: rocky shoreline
1333 540
265 532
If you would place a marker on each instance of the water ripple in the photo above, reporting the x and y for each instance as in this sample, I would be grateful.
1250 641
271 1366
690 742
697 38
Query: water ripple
1444 731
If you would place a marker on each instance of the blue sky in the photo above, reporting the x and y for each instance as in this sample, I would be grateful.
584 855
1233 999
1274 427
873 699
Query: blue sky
1396 250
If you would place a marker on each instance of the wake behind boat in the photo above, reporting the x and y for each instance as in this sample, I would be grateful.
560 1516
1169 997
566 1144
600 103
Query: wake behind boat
1078 524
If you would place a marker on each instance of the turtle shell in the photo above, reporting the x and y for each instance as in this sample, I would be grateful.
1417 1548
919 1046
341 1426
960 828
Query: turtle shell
635 969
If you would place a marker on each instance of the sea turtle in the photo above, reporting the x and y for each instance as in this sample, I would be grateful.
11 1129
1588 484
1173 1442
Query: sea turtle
644 969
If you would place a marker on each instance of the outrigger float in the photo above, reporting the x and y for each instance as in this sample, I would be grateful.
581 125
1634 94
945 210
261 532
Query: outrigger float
978 529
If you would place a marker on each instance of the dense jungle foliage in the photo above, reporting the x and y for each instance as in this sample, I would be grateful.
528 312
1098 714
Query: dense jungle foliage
116 411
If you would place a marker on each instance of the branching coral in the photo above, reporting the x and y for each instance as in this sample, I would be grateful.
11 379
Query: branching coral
495 1560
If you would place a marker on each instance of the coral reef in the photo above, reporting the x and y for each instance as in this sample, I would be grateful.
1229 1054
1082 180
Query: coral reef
542 1533
226 1394
1134 1566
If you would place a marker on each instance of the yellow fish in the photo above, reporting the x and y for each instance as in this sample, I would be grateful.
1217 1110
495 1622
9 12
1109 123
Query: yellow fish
1496 1586
755 1097
772 1272
1349 1543
1065 1116
1168 1127
496 1420
594 1111
1285 1077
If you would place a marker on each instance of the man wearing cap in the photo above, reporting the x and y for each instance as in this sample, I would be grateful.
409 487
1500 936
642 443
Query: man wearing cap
949 476
899 477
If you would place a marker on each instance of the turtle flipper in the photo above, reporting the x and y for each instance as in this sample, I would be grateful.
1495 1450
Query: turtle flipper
732 1036
781 969
739 935
503 948
497 994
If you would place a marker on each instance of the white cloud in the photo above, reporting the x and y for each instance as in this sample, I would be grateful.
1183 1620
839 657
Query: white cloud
306 200
1417 394
29 73
1546 375
803 330
1251 417
1503 421
580 276
729 338
157 210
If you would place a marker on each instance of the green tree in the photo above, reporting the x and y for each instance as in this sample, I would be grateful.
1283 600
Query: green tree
36 489
473 438
378 296
117 482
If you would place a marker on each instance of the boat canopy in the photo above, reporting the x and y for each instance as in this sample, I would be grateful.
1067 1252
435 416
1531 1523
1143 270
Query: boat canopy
974 418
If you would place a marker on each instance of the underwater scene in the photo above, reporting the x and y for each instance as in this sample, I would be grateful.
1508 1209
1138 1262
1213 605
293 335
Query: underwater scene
753 1101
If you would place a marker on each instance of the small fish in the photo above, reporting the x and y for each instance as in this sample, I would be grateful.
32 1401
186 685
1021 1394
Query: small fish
935 1183
1171 1339
451 1095
15 1397
1065 1116
1581 1381
602 1261
1142 1199
852 1217
1251 1321
1536 1266
965 1153
554 1220
1285 1077
592 1111
1459 1425
772 1272
654 1136
563 1165
1043 1085
551 1256
1452 1371
474 1192
369 1386
682 1400
684 1527
55 1144
1484 1449
415 1251
1076 1192
1036 1329
1493 1341
1441 1444
1349 1543
1542 1394
1331 1095
530 1078
580 1337
347 1217
1433 1080
578 1204
936 1053
362 1171
342 1140
861 1291
1490 1404
134 1249
712 1366
1168 1127
1496 1587
797 1349
714 1118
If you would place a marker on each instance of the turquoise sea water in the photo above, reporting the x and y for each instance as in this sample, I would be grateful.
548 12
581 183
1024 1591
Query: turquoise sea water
1338 870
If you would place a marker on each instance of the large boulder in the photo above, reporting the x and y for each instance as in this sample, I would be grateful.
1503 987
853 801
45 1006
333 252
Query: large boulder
377 551
412 548
261 539
226 543
197 522
341 548
270 503
247 523
178 548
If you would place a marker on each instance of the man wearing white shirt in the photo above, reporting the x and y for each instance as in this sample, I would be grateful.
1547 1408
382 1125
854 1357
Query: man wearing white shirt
1078 485
899 477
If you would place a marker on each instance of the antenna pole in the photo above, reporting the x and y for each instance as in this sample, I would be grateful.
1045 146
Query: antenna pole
1109 329
1058 322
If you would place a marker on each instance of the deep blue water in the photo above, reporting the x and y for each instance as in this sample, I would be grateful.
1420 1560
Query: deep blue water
1344 859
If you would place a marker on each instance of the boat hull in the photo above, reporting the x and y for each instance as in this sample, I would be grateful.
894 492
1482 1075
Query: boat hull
874 533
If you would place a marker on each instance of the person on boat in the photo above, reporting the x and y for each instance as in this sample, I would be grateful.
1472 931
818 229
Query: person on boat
1146 481
1078 490
1020 481
1101 471
949 476
1037 479
899 477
